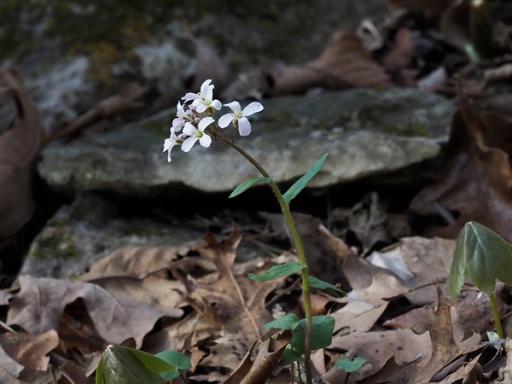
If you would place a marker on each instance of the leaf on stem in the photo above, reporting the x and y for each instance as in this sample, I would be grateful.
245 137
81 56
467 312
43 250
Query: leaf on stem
176 359
249 184
321 334
483 256
351 365
278 271
286 322
317 283
302 183
130 366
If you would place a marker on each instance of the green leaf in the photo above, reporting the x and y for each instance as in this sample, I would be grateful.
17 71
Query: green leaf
278 271
176 359
321 335
300 184
290 355
121 365
481 255
249 184
350 366
151 362
288 321
315 282
100 372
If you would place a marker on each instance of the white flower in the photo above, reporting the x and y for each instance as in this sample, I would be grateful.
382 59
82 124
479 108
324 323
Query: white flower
170 143
197 134
181 118
204 99
239 116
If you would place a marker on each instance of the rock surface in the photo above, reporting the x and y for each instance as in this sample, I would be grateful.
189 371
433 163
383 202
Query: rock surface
366 132
89 230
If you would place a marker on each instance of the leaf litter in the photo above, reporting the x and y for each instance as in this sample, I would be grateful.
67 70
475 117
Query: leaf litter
394 320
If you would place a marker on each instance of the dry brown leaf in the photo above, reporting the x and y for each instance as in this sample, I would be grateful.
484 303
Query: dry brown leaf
28 350
232 302
401 53
478 180
128 99
10 369
268 356
158 292
39 304
357 316
136 261
344 63
404 346
471 314
19 147
446 346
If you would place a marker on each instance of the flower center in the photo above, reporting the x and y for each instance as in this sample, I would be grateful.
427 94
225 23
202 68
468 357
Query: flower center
239 115
199 134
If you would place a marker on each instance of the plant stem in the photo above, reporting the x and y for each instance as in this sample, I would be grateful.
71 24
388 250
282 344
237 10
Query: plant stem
496 315
299 247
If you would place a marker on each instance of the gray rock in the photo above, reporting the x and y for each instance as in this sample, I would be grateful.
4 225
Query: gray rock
89 230
366 132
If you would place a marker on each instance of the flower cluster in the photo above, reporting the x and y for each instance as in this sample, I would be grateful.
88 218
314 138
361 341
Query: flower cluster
194 119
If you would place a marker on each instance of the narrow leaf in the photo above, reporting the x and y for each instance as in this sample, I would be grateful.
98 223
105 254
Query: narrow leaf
277 271
288 321
481 255
321 335
350 366
324 285
249 184
300 184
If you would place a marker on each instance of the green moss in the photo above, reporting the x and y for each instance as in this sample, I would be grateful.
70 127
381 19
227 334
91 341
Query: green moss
54 243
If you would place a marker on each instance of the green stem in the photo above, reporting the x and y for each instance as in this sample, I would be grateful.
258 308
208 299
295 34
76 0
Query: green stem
301 254
496 315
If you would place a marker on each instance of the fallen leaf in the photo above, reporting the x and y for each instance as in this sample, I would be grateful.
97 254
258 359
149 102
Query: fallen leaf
404 346
10 369
128 99
30 351
344 63
40 303
268 356
137 261
19 146
477 184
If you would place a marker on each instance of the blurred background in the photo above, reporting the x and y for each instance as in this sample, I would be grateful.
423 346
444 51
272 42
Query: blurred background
89 89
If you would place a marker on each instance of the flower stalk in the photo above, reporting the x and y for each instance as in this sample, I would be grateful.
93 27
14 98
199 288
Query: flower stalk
299 248
194 123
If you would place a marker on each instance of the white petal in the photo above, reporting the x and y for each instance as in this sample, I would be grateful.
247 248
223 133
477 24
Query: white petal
188 144
190 96
178 123
205 122
205 141
244 127
234 106
189 129
252 108
207 90
226 119
167 144
216 104
201 107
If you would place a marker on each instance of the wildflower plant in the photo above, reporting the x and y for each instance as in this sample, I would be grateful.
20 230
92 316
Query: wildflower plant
195 123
